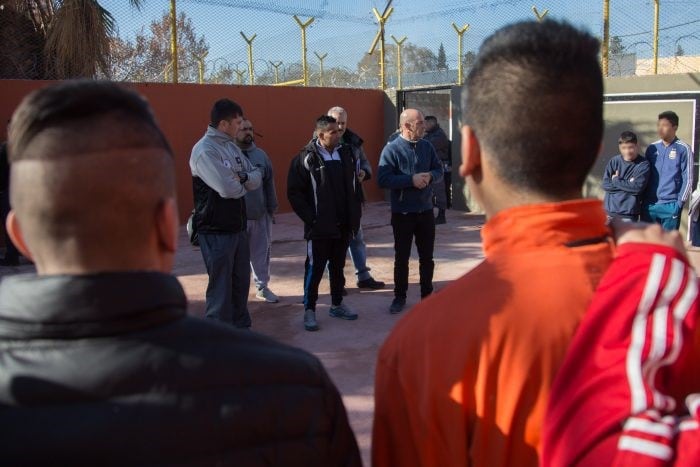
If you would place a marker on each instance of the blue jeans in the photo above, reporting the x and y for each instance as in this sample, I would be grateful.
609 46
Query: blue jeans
358 254
666 214
227 258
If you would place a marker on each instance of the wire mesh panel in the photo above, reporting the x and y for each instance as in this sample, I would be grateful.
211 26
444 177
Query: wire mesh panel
317 42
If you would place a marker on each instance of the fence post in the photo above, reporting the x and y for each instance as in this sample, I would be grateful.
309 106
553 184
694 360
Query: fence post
303 27
173 38
320 59
460 33
605 46
380 38
656 37
251 70
399 43
540 16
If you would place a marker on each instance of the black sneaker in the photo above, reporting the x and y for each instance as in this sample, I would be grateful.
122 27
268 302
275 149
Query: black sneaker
397 305
440 219
370 284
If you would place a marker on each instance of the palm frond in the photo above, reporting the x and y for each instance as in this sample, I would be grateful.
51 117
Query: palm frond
78 39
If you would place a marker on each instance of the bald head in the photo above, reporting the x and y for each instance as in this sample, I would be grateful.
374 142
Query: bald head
92 176
412 124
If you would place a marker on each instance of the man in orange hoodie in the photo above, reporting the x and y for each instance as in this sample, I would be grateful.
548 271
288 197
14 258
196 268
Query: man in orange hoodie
464 378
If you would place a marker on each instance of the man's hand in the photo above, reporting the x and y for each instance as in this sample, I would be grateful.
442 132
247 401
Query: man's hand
419 181
630 232
361 175
616 174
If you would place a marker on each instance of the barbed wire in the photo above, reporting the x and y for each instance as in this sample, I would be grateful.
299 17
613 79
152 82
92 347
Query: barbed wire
211 49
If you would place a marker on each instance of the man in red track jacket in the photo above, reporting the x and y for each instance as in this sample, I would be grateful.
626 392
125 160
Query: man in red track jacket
627 393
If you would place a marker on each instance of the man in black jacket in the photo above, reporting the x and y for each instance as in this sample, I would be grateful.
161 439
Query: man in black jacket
100 363
358 249
324 192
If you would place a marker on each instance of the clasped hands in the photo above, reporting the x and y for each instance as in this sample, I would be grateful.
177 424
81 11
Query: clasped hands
421 180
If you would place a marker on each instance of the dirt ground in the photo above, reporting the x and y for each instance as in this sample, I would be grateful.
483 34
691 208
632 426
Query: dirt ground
348 349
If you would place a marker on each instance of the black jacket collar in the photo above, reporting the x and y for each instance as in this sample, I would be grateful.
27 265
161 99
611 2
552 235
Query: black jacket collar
66 306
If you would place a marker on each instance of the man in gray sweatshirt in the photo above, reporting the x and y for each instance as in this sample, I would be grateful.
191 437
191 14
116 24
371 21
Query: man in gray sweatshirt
260 205
221 176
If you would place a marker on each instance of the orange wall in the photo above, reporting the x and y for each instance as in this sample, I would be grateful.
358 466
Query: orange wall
284 116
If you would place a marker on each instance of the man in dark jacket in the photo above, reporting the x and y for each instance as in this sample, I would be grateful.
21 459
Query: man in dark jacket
408 167
324 192
358 249
442 145
101 365
625 177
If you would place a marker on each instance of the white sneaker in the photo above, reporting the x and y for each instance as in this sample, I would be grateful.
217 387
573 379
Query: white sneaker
267 295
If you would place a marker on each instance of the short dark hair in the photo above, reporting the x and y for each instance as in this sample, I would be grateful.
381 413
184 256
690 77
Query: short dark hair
224 109
627 137
431 117
534 99
671 116
71 105
105 168
323 122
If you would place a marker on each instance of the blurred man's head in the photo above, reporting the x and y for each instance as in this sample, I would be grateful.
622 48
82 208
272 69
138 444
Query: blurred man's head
667 125
246 134
627 143
327 132
430 123
533 114
412 124
226 116
341 118
93 183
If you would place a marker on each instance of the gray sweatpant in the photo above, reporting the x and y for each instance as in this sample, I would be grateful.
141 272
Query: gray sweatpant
260 238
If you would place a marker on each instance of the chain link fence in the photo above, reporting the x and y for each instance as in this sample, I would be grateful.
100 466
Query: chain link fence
316 42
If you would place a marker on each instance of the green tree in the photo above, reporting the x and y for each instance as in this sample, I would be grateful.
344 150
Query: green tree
74 36
441 58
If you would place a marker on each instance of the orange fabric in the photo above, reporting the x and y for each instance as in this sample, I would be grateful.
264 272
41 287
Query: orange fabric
464 378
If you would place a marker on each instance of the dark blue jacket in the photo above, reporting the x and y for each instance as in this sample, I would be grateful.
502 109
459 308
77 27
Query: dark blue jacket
671 176
400 160
623 192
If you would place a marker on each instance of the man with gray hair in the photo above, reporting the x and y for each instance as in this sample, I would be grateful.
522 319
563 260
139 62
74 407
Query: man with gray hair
363 170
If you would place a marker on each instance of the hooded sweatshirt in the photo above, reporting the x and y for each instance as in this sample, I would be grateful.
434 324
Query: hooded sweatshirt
217 166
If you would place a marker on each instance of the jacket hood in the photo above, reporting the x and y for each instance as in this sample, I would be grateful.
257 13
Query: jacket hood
217 135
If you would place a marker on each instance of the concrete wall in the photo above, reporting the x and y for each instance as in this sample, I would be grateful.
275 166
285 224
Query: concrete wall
284 116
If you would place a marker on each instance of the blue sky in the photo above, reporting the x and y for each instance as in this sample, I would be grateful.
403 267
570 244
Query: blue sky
344 29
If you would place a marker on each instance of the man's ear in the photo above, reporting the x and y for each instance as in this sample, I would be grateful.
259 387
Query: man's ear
167 225
15 233
471 152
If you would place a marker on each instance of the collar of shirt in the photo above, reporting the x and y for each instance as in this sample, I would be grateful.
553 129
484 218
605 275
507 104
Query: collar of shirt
527 227
328 156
